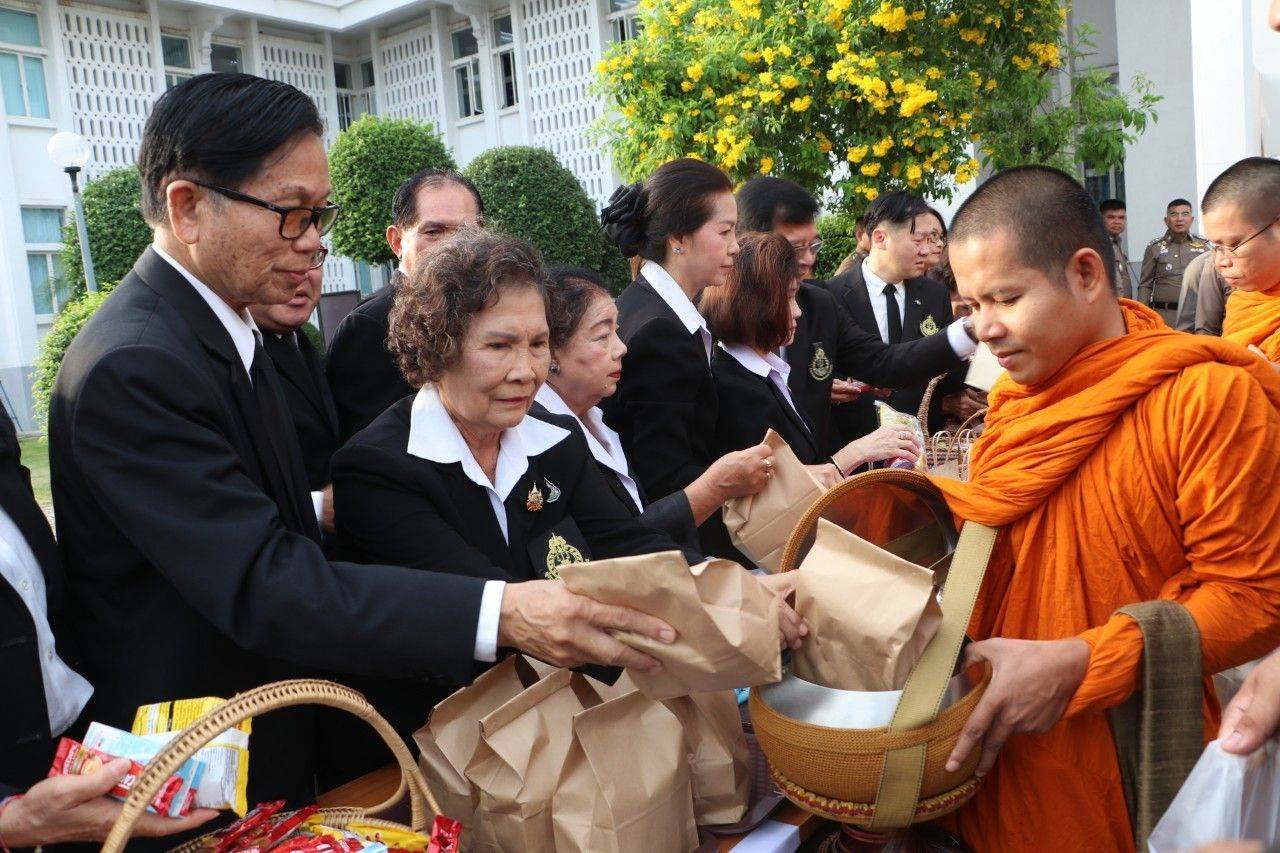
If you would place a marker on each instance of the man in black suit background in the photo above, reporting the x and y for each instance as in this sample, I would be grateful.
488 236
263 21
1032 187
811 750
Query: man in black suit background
888 296
185 524
427 210
828 344
306 392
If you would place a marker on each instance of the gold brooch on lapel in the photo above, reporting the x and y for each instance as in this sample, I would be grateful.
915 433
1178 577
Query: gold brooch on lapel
533 502
553 491
560 553
820 367
928 326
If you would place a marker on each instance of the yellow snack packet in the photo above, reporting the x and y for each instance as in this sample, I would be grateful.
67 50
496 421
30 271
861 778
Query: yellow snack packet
226 757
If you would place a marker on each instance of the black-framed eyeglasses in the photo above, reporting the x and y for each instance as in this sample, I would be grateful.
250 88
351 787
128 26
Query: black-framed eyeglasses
294 221
318 256
1230 251
815 246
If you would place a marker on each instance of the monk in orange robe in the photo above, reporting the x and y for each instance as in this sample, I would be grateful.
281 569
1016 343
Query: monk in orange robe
1242 218
1122 462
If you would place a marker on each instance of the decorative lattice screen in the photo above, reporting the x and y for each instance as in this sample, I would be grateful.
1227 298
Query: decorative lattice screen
339 275
559 62
112 81
301 63
410 85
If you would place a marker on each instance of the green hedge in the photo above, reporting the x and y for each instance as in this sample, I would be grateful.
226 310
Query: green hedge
367 163
117 232
839 239
69 322
529 194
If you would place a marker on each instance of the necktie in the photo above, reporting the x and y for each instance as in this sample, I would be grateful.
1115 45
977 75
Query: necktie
895 316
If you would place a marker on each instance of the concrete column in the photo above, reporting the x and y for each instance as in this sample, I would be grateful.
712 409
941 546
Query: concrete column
330 90
444 105
379 78
252 47
157 45
1226 87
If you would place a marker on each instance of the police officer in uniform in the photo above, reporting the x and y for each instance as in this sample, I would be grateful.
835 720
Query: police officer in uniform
1116 217
1167 258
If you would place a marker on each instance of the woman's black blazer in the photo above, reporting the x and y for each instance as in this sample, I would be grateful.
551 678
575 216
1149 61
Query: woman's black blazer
750 405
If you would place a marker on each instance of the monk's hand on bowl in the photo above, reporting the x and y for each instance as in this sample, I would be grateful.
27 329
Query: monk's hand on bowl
562 628
1253 714
1031 683
794 628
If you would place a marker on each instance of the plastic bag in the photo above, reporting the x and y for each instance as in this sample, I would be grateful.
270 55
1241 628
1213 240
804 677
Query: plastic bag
1225 797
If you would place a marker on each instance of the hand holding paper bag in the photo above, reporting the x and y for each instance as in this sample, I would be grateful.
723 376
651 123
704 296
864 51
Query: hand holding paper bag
870 613
759 524
726 621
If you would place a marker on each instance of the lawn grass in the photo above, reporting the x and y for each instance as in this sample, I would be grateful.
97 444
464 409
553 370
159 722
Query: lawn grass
35 455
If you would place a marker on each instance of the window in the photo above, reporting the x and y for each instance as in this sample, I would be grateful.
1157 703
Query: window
623 21
364 278
466 73
22 65
504 38
353 101
225 57
366 73
177 59
1102 185
342 75
42 232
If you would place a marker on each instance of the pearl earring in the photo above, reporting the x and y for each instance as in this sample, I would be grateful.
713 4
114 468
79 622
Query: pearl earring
678 250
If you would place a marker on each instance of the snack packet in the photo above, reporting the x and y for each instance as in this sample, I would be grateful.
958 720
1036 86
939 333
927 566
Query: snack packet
889 416
226 838
75 759
225 758
125 745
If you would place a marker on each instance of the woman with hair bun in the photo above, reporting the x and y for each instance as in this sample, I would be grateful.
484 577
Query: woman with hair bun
682 223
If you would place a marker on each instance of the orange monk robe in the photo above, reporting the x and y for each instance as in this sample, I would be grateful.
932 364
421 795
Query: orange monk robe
1147 468
1253 317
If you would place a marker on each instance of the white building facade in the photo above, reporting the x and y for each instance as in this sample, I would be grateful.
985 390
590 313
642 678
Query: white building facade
497 72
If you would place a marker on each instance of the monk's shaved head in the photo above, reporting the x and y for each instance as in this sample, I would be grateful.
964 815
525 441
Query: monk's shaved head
1253 185
1046 212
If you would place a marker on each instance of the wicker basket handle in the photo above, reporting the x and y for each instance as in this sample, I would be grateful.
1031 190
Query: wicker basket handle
252 703
926 400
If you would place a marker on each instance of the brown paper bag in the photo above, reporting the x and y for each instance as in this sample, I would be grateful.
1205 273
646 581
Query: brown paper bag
625 783
726 621
870 614
719 758
760 524
450 738
517 766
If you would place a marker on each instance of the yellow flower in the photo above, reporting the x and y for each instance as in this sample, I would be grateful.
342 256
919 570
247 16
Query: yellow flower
766 78
882 147
772 96
964 175
1047 54
686 86
668 118
602 66
694 72
950 20
768 53
974 35
629 76
891 19
1022 62
708 92
856 154
991 84
785 49
788 81
700 136
914 172
665 132
870 169
801 104
871 193
766 165
824 143
629 110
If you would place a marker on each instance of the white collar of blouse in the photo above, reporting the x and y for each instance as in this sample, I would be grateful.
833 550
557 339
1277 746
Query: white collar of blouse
434 436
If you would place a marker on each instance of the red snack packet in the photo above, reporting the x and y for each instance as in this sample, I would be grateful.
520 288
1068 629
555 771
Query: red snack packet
224 839
273 830
445 833
75 759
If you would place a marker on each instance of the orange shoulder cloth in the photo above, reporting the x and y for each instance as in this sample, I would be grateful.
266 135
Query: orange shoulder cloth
1035 436
1254 318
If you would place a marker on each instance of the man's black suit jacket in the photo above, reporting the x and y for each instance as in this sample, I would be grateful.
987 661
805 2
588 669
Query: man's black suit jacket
183 577
665 407
306 393
828 343
363 376
26 744
928 305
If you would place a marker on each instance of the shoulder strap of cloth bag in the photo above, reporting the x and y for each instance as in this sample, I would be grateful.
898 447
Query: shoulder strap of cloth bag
921 698
1159 730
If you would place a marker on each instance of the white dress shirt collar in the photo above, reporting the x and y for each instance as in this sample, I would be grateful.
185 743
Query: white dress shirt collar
677 300
768 366
604 443
434 436
243 331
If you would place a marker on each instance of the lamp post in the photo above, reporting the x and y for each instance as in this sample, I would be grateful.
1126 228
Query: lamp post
69 152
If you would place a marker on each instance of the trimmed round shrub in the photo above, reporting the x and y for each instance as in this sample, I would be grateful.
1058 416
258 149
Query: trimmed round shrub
528 194
839 240
117 232
367 163
69 322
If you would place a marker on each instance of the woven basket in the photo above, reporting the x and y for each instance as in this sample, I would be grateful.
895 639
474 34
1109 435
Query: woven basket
837 772
273 697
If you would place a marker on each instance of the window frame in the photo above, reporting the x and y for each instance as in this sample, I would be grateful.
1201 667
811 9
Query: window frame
238 47
53 258
500 55
175 74
22 51
470 64
624 24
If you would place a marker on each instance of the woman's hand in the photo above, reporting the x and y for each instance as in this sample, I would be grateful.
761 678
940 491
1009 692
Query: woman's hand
77 808
888 442
794 628
827 475
742 472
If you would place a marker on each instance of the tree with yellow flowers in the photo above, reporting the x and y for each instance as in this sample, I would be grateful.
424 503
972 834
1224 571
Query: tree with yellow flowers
856 96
